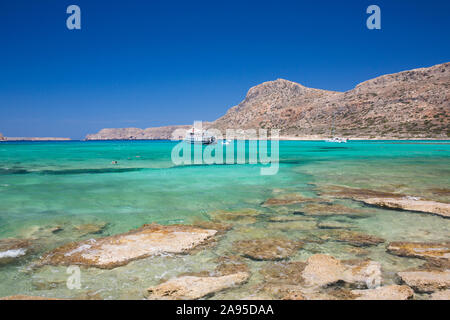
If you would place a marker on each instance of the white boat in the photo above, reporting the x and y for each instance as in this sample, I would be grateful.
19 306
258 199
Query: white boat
199 137
337 140
226 142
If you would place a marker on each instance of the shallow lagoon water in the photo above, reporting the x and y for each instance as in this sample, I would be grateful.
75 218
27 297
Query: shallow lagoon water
67 184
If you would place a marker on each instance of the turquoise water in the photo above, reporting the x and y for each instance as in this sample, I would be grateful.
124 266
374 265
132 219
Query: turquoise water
68 184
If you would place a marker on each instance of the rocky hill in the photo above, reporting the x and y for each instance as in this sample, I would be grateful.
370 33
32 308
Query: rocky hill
409 104
413 103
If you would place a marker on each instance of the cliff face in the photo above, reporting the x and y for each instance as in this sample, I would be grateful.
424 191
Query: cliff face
409 104
413 103
137 134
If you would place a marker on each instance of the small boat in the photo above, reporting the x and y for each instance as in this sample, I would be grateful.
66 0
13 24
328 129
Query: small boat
199 137
226 142
337 140
333 138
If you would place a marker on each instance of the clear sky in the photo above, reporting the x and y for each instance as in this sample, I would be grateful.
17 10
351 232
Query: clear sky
150 63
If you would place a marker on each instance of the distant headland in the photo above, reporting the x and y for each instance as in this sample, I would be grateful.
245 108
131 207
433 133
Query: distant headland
2 138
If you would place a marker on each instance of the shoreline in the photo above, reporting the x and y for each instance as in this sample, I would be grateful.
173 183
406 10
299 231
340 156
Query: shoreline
280 139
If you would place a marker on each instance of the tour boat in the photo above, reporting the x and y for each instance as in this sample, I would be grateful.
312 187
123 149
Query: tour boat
199 137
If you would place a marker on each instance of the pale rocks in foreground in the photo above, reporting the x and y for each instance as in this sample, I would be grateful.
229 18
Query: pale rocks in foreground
426 281
323 270
192 287
423 250
118 250
392 292
412 204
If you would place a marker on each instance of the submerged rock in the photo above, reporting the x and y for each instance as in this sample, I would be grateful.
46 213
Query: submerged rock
353 238
423 250
118 250
242 216
441 295
284 272
327 209
231 265
292 225
357 251
90 228
440 191
411 204
267 249
332 224
295 292
287 199
25 297
356 193
220 227
37 232
392 292
191 287
290 218
11 249
426 281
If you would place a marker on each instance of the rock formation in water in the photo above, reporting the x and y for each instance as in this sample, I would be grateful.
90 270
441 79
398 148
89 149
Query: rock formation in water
138 134
408 104
120 249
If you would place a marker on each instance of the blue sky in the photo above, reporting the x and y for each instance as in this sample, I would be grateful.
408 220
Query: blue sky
151 63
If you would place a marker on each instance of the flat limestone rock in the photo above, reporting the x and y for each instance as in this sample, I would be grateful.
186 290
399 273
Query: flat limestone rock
390 200
441 295
392 292
423 250
323 270
118 250
426 281
191 287
267 249
411 204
